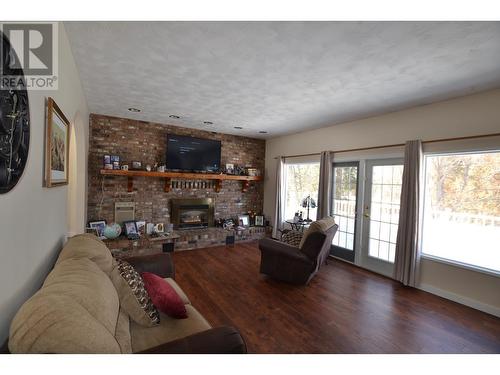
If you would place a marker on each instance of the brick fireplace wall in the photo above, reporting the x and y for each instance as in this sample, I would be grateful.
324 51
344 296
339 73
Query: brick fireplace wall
143 141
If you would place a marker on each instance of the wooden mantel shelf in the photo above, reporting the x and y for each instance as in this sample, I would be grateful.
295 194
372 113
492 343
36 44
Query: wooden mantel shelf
245 180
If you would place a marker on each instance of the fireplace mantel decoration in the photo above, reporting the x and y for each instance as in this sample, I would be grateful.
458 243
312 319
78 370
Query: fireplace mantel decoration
168 176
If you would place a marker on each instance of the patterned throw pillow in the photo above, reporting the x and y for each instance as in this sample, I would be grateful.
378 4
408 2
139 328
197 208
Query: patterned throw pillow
134 298
292 238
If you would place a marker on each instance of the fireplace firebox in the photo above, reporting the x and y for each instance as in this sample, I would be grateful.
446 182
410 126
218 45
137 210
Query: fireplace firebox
192 213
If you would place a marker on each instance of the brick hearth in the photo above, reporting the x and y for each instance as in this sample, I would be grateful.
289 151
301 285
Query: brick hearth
188 240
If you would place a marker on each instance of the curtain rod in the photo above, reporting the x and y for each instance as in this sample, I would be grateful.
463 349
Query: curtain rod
395 145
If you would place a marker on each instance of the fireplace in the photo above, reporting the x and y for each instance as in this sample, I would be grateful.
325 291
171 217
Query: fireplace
192 213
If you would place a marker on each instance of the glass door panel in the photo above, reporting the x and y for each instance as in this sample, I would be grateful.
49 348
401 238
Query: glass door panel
344 204
381 214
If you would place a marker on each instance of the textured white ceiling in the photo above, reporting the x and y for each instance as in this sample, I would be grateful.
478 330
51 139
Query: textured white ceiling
280 77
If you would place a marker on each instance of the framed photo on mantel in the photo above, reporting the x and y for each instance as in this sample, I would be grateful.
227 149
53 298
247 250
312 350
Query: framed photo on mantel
56 146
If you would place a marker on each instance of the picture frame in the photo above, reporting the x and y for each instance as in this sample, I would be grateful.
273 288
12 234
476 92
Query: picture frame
141 226
56 146
99 226
159 228
115 161
130 228
229 168
259 220
244 221
150 227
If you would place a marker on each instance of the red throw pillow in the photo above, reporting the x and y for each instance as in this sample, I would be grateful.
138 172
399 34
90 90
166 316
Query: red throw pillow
164 297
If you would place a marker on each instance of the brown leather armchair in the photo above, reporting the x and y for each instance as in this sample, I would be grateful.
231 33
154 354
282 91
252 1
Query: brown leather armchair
298 265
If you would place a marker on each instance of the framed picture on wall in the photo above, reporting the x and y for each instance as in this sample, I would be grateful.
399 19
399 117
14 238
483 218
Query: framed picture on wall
56 146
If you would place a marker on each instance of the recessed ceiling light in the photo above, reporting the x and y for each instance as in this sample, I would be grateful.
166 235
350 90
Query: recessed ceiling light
208 122
174 116
263 132
132 109
238 127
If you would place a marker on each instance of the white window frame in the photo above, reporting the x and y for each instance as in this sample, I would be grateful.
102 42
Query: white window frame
312 159
475 148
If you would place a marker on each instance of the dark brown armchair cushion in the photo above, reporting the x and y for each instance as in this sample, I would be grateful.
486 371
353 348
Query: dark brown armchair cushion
313 244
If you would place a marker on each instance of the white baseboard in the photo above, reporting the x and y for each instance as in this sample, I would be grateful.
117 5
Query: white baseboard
70 234
461 299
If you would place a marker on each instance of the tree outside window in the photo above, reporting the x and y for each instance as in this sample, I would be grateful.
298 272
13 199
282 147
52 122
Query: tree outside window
462 208
301 180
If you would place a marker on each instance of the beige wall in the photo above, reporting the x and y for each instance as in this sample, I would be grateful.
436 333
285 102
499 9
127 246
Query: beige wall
471 288
469 115
34 221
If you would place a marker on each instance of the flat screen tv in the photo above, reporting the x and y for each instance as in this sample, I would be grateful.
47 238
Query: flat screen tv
192 154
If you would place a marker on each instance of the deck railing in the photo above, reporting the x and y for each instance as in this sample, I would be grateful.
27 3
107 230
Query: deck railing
347 208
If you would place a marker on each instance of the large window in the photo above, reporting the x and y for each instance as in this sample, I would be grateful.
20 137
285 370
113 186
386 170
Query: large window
345 191
301 181
462 208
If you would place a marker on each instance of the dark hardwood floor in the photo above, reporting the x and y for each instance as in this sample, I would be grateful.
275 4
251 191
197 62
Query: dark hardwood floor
344 309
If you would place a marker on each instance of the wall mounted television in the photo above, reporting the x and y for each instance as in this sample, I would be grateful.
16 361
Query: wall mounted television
189 154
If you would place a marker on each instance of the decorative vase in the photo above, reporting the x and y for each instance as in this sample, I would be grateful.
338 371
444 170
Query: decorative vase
112 231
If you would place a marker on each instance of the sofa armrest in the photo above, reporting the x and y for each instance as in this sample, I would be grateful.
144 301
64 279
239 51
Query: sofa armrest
159 264
282 249
221 340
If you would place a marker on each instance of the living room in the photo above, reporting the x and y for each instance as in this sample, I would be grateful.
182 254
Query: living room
195 186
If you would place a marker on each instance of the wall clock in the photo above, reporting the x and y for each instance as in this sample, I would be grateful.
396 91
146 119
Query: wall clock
14 121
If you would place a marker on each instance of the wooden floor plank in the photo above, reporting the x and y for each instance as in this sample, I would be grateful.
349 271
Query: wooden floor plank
344 309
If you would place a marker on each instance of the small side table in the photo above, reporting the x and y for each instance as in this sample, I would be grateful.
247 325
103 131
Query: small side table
298 225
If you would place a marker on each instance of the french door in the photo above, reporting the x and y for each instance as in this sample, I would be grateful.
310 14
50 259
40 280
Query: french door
344 208
365 203
380 219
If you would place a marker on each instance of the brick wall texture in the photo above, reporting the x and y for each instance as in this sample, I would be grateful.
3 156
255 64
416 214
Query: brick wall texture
143 141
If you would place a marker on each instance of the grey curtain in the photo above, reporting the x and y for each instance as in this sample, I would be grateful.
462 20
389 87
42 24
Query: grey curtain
324 198
278 213
407 242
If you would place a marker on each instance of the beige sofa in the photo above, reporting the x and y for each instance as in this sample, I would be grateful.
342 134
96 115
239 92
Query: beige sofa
77 310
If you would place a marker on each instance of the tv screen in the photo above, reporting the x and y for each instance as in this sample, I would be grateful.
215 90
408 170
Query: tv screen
192 154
